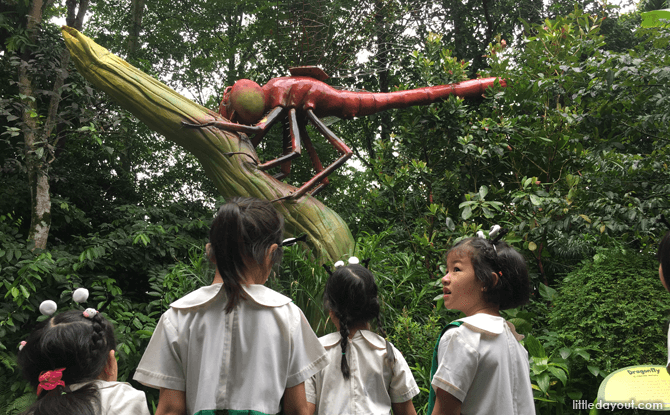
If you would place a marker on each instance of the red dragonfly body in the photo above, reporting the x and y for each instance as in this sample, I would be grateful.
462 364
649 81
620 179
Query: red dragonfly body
303 93
299 99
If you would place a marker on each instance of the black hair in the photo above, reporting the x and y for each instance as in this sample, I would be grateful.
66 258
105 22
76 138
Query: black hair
512 287
80 345
351 295
663 256
243 230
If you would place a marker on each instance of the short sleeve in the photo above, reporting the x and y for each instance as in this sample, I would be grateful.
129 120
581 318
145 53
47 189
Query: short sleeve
403 386
119 398
161 365
308 356
456 365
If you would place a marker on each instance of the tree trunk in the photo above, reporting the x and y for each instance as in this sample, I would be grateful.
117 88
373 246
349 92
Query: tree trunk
137 12
38 169
38 149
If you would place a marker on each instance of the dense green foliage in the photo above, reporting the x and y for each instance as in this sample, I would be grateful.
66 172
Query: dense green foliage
572 156
612 306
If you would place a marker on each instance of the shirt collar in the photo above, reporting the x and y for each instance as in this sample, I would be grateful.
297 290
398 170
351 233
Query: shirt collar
257 293
489 324
333 339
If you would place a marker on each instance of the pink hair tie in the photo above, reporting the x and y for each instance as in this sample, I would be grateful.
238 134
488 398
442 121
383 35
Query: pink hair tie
22 345
50 379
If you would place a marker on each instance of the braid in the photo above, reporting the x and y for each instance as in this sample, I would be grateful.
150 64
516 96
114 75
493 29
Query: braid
98 344
344 332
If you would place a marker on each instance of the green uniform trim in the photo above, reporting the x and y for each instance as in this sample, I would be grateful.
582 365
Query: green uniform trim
230 412
433 368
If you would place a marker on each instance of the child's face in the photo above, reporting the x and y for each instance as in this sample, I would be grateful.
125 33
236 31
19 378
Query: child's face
462 290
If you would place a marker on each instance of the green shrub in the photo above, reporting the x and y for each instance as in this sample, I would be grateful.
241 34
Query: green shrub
616 307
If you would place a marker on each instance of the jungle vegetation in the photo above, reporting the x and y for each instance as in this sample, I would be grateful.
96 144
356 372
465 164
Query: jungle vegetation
572 157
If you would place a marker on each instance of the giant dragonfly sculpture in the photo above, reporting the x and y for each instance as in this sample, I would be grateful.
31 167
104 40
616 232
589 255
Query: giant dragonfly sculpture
303 97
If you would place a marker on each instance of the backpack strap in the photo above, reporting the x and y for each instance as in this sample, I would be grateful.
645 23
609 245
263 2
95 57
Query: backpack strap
433 368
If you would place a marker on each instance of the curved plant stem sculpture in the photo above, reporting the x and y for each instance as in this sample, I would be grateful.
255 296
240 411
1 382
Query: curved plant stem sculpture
236 174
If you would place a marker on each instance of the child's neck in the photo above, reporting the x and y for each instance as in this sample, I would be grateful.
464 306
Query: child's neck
354 329
493 310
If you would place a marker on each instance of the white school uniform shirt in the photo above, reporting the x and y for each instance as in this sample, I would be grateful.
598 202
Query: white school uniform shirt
667 367
118 398
483 365
372 385
238 361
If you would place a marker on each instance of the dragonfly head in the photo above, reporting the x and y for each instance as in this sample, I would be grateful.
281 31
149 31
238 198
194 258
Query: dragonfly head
243 102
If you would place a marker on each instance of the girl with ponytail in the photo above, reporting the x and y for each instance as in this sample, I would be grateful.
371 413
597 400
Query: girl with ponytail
235 346
69 359
366 374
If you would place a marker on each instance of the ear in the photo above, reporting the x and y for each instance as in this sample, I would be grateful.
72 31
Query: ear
210 253
269 258
495 278
110 371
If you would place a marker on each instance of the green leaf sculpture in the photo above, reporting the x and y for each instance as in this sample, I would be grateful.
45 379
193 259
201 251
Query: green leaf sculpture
163 110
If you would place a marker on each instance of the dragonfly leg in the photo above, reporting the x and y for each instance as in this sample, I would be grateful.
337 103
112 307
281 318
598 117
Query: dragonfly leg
292 149
316 162
336 142
266 123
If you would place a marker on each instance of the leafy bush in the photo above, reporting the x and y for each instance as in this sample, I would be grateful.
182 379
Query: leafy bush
614 306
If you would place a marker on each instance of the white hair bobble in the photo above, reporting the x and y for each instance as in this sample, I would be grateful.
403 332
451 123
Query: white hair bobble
495 229
48 307
80 295
351 261
90 312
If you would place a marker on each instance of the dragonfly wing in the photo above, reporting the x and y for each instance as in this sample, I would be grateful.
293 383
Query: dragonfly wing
330 119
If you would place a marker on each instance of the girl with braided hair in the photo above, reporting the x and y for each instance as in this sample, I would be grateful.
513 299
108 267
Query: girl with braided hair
366 374
235 346
479 366
69 359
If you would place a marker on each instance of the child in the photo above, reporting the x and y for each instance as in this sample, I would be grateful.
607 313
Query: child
69 360
235 345
479 366
366 374
663 256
